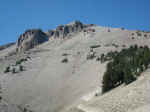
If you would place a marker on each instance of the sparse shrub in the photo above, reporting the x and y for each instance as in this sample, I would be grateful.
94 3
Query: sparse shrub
1 98
145 35
98 58
24 109
97 94
123 45
18 62
7 69
115 45
102 58
21 68
93 30
95 46
28 57
91 55
65 60
78 53
132 34
139 33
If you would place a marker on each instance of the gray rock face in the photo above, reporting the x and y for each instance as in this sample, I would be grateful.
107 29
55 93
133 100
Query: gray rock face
63 31
30 38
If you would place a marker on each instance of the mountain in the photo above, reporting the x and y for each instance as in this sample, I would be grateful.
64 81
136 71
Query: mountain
6 45
33 37
55 74
63 31
30 38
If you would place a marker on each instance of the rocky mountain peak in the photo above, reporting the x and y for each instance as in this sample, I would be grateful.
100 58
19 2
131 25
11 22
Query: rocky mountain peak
30 38
63 31
33 37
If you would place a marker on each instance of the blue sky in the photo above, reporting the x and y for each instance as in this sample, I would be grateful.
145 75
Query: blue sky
18 15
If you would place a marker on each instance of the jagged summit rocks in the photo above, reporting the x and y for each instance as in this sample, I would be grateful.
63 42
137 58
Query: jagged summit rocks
30 38
63 31
33 37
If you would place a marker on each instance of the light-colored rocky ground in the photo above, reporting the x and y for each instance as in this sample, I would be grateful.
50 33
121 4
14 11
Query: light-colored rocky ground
48 85
132 98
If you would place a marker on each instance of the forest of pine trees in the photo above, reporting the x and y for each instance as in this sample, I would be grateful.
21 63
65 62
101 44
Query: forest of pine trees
124 66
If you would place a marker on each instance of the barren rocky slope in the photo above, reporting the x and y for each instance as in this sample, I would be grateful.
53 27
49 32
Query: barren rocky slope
49 85
6 46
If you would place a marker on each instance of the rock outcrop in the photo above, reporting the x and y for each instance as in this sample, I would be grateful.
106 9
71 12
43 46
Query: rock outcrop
30 38
63 31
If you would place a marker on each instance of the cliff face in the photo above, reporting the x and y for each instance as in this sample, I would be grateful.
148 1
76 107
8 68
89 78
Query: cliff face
30 38
63 31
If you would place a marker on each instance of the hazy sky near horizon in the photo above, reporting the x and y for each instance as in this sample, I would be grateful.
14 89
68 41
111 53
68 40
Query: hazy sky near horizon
18 15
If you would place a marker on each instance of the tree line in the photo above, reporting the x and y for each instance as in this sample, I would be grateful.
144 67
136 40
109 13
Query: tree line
124 66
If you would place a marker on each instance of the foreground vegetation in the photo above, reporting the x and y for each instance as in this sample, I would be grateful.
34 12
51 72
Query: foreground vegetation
17 67
124 66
